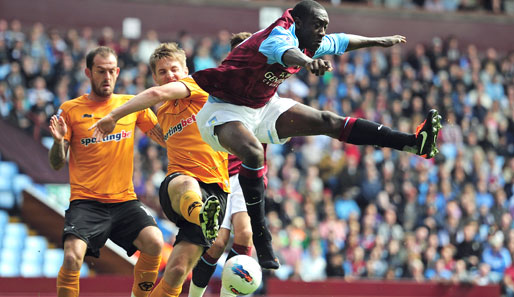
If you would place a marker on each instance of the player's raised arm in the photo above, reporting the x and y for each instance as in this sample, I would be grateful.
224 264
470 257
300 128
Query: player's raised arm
294 57
145 99
57 154
357 41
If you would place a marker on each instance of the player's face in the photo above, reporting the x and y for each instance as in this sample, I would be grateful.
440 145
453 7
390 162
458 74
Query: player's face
312 29
168 70
103 75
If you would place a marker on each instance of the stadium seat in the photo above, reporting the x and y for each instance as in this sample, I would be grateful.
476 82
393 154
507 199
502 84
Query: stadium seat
14 236
7 199
13 241
8 169
4 220
9 270
52 262
6 183
10 256
36 244
31 269
84 270
32 256
20 182
16 228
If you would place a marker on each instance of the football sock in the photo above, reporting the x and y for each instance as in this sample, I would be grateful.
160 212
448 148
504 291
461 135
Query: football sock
145 274
165 290
252 184
364 132
239 250
196 291
68 283
203 270
190 207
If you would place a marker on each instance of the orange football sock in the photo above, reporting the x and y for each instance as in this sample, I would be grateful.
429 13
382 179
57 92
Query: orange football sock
190 206
68 283
145 274
165 290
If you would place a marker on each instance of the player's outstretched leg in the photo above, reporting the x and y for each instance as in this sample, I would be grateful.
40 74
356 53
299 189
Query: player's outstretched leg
309 121
426 135
209 218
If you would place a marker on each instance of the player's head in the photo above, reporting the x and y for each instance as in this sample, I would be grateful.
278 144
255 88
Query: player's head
237 38
102 70
311 21
168 63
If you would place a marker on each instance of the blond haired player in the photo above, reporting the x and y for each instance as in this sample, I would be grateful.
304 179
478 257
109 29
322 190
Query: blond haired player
194 193
103 203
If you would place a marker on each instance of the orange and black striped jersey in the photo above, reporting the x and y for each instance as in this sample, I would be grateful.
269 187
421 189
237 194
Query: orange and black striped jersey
101 169
187 152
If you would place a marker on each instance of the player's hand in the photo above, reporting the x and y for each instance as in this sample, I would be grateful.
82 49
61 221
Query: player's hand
103 127
58 128
392 40
319 66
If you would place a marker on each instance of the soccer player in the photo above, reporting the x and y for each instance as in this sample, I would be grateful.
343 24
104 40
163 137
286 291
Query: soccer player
103 203
236 217
242 111
194 193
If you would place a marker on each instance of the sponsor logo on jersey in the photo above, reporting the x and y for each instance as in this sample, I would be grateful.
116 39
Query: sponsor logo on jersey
180 126
111 137
272 80
87 115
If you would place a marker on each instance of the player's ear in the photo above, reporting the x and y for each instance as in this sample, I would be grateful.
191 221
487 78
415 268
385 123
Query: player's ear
87 71
186 70
117 71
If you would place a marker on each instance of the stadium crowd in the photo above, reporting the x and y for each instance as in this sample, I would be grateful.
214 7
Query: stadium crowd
488 6
334 209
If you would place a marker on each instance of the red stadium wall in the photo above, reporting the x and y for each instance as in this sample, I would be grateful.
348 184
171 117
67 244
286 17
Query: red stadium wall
119 286
338 288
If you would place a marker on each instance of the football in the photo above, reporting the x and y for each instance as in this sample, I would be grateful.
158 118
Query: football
241 275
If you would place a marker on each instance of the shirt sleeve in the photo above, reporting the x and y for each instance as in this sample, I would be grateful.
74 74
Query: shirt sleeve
146 120
196 93
332 44
277 43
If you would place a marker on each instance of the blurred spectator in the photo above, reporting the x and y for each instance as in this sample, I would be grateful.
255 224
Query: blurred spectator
497 257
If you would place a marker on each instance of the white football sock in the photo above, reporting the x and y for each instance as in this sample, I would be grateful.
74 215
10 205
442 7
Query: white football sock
195 291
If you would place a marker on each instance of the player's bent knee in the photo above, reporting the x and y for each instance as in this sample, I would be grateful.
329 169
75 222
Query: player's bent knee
252 154
154 245
178 271
243 236
217 248
331 121
182 182
72 261
150 241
